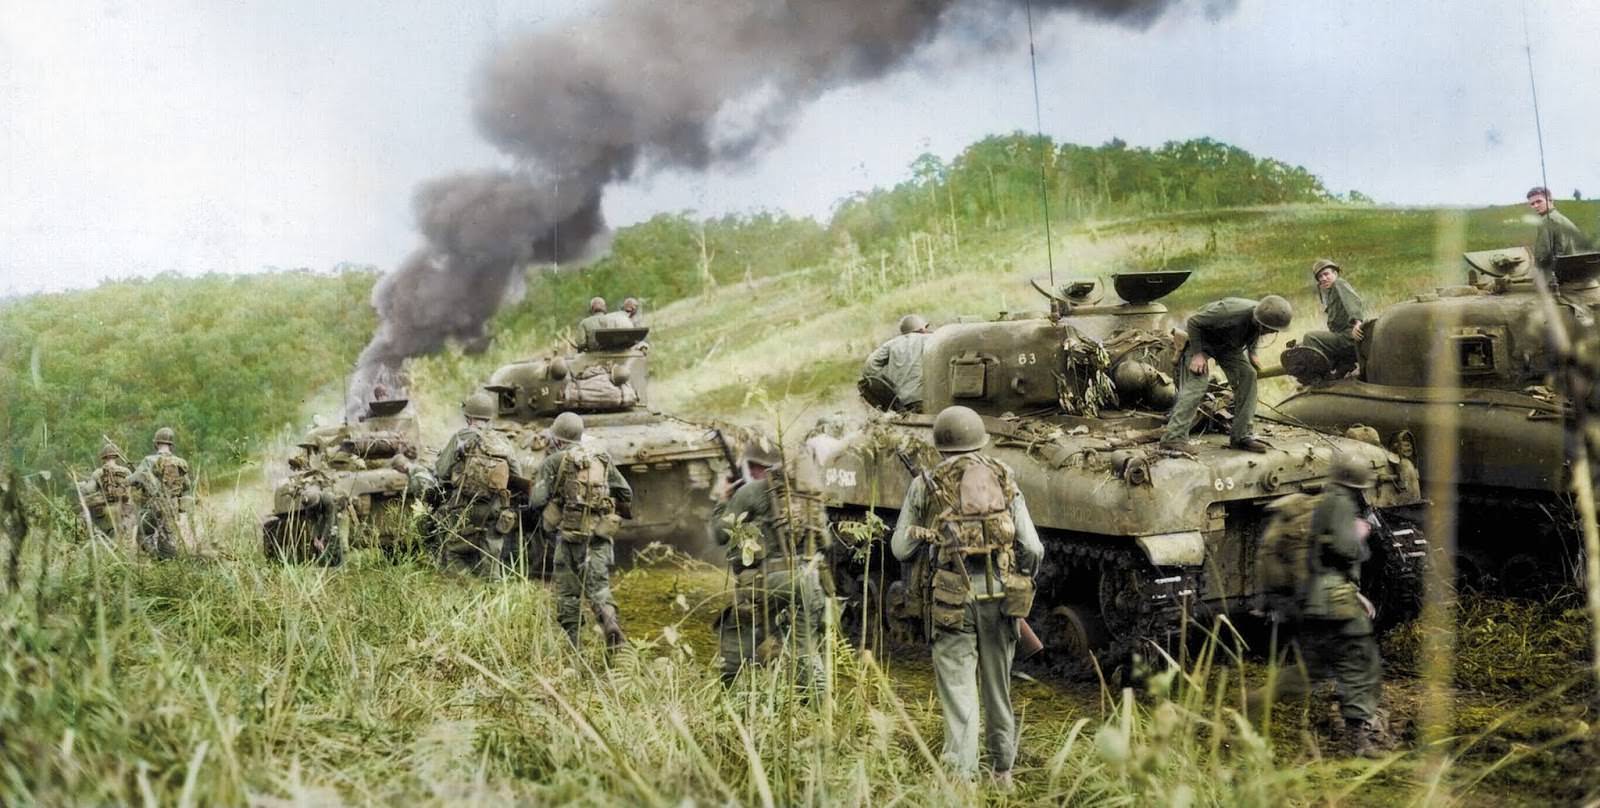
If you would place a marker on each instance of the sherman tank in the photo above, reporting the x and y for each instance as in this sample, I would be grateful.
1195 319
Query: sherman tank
342 490
1511 475
1135 538
670 463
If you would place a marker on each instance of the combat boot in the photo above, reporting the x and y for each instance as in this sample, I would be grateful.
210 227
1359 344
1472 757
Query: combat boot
1364 738
612 629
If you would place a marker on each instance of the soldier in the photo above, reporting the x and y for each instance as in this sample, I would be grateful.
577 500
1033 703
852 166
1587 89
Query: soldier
1334 353
1557 235
892 376
108 496
598 318
983 553
774 530
630 307
1226 330
478 470
1334 634
316 506
167 485
584 500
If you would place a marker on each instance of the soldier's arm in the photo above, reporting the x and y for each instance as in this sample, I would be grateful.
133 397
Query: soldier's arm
543 480
904 542
1029 549
1544 244
1342 542
447 458
1351 301
188 482
618 484
878 358
724 514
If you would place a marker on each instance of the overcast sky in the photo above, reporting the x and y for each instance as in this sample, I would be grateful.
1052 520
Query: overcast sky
139 137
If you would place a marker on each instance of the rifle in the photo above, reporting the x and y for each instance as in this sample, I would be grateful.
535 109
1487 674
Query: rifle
1028 642
735 478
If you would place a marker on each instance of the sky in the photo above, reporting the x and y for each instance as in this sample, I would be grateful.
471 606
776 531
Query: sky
173 135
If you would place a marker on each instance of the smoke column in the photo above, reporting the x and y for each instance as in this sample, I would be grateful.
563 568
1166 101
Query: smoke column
635 87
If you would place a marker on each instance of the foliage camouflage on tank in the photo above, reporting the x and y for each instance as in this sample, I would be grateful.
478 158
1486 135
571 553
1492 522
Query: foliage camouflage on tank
1073 400
1509 467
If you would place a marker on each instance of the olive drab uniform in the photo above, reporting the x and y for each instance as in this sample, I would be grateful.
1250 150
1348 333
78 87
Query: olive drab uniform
1557 236
892 376
167 485
1344 309
983 551
1226 331
108 496
588 325
583 497
477 468
775 532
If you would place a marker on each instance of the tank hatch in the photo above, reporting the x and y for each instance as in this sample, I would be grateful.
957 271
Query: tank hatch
1578 269
386 407
1503 263
1139 288
619 339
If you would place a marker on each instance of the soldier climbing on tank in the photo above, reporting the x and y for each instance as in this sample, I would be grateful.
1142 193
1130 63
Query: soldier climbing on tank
1226 330
598 318
584 500
774 530
1332 353
107 495
317 505
1557 235
480 478
167 485
892 376
1333 627
983 553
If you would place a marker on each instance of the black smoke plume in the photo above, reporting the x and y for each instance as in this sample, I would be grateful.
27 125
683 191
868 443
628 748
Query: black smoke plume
637 86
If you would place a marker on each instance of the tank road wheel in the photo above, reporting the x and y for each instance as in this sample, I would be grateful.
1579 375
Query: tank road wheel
1072 632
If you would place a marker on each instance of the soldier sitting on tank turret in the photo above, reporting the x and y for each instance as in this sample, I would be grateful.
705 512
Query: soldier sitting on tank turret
108 496
630 307
480 475
892 376
1557 235
1332 353
1226 330
774 530
598 318
167 484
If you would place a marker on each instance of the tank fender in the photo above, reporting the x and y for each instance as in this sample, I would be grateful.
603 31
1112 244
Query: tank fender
1185 549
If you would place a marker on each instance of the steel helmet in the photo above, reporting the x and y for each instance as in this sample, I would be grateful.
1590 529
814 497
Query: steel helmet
762 450
597 305
912 322
1351 471
568 427
166 435
1324 263
109 450
481 404
631 305
959 429
1274 313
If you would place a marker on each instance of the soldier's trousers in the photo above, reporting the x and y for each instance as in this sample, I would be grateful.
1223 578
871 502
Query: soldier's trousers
972 669
1327 650
1192 391
1340 349
470 543
777 614
119 524
160 532
583 578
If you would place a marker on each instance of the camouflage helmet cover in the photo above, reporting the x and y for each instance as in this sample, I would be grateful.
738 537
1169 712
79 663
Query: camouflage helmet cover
481 404
165 435
568 427
912 322
959 429
1325 263
1351 471
762 450
1274 312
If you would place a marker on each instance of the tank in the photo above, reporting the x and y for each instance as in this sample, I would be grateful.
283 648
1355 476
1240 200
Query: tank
342 490
1073 400
670 463
1510 467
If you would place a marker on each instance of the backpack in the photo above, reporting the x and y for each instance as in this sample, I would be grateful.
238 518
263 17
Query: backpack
974 529
485 469
799 518
583 492
169 472
114 482
1283 566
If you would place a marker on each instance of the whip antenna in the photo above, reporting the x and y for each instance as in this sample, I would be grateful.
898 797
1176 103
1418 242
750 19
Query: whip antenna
1538 128
1038 126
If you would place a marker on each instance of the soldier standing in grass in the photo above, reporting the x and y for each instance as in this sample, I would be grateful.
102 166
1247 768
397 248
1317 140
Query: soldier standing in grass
892 377
167 484
108 496
478 469
1225 330
584 500
984 552
1557 235
774 530
1335 351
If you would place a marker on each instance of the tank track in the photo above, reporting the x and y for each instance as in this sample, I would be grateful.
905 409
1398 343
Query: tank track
1400 561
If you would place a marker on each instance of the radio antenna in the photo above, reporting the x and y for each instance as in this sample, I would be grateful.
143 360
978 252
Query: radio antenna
1533 88
1038 126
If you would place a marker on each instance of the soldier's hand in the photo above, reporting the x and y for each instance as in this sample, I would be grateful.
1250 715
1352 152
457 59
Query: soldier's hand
1372 612
1197 363
1355 331
1255 361
722 490
1363 529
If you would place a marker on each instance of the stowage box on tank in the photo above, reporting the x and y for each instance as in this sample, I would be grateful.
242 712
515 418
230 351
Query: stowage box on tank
1073 401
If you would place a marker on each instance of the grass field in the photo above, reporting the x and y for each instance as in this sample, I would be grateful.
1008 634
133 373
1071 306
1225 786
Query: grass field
232 680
